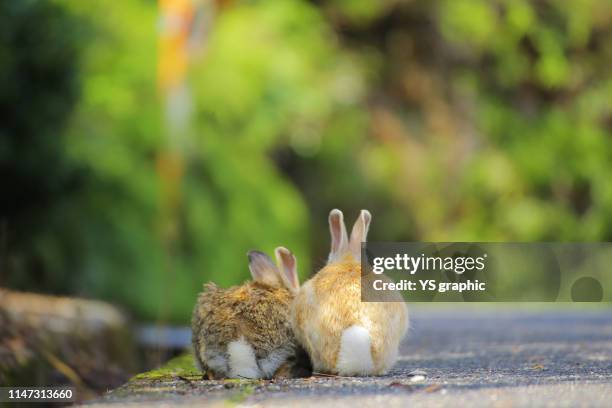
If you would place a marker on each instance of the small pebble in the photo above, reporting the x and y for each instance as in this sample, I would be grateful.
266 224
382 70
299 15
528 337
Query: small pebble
417 373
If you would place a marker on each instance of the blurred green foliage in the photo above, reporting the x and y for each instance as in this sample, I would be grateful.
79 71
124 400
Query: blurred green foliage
111 240
38 91
451 120
489 120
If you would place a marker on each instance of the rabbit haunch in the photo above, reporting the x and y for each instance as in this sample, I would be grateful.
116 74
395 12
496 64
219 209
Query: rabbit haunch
341 334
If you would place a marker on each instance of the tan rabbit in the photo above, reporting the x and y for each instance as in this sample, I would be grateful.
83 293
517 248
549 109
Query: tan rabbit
342 334
244 331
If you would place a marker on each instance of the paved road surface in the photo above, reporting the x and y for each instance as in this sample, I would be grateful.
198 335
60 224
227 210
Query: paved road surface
453 356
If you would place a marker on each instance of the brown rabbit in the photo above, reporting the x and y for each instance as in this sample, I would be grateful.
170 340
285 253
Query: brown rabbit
342 334
244 331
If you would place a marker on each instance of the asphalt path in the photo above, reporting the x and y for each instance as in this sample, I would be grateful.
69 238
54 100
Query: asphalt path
453 356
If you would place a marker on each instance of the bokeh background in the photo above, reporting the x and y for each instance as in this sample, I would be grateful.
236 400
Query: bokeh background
146 146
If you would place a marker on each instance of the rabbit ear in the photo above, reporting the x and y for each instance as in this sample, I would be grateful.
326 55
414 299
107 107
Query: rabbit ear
360 233
263 269
337 229
288 269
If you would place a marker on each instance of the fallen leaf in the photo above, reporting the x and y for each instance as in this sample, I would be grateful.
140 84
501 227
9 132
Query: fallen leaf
399 385
433 388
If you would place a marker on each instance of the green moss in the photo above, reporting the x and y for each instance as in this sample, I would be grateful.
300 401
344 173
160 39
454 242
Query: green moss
181 366
176 377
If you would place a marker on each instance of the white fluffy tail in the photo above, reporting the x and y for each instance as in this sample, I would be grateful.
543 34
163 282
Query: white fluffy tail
242 363
355 356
